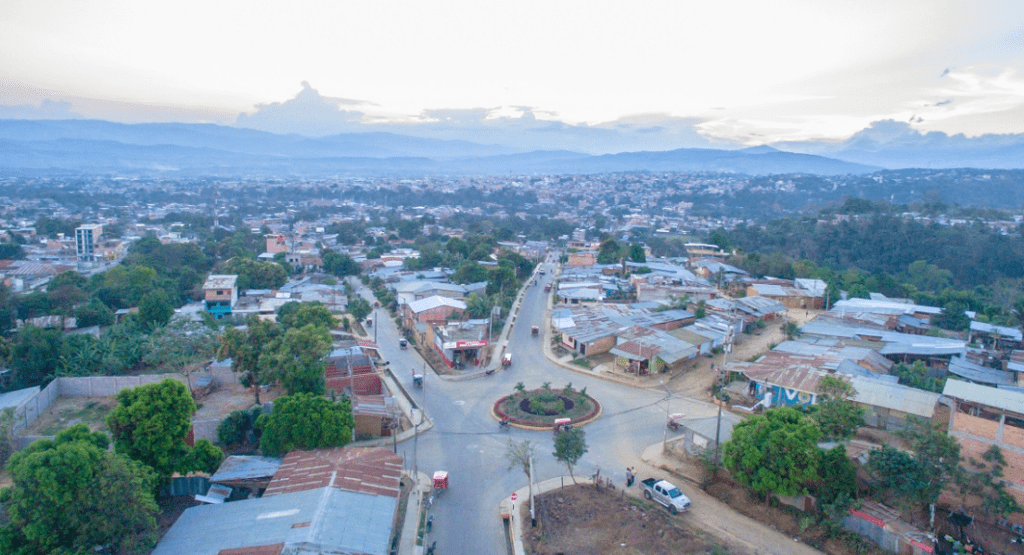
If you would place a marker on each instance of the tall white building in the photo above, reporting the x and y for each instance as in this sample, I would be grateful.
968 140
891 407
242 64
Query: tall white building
86 239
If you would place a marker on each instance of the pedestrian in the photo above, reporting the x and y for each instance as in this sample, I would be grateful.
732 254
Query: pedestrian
629 476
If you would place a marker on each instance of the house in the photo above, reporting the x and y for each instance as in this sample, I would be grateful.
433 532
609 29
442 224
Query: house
460 343
984 417
341 500
800 293
995 336
432 310
220 292
350 368
641 350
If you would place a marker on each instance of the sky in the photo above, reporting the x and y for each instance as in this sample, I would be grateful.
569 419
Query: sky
679 73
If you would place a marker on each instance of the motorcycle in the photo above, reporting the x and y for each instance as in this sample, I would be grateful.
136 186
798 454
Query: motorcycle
430 523
504 424
430 550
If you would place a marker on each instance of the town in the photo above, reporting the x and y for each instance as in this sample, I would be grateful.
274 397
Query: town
408 366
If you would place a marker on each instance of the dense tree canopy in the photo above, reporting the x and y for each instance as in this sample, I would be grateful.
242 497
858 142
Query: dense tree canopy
305 421
254 274
70 495
340 264
296 359
150 422
774 453
297 315
245 346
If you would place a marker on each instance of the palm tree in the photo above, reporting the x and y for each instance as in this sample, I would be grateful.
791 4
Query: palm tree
478 306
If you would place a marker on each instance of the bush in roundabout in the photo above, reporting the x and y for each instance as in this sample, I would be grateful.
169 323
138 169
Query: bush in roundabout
541 407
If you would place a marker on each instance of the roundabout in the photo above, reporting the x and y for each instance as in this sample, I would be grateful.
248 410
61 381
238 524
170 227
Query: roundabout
543 408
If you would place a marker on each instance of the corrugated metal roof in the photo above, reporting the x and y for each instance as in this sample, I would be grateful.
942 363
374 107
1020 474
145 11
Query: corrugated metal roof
979 374
894 396
435 301
1005 399
769 290
322 520
1011 333
371 470
246 467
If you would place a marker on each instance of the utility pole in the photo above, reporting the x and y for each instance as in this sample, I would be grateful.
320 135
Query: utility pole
664 439
533 515
718 432
352 390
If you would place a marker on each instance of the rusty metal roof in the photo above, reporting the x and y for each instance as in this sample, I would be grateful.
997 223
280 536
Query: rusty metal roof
371 470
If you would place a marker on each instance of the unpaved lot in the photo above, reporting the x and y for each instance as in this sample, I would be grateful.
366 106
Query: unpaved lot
68 411
227 396
584 520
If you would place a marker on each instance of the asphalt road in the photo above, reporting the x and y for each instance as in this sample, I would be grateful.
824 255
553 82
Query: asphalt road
467 442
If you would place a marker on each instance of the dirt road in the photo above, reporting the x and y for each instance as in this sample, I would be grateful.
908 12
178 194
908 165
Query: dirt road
741 533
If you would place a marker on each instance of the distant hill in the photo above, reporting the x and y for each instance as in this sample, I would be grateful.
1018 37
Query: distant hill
205 149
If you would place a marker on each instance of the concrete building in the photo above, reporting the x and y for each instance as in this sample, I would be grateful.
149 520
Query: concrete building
220 292
87 237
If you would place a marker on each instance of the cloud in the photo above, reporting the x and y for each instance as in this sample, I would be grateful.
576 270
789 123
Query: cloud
308 113
47 109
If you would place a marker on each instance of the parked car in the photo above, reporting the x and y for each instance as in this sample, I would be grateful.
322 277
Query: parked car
667 494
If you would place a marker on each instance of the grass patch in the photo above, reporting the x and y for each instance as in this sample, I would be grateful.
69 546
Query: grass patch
70 411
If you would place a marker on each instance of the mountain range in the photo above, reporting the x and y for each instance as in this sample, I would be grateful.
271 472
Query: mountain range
93 146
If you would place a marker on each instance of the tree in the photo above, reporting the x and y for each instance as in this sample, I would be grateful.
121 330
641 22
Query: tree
340 264
637 253
296 359
836 415
71 495
720 238
36 355
93 313
239 427
774 453
838 476
182 346
297 315
253 274
150 422
359 308
791 329
244 348
305 421
8 311
155 309
519 455
203 457
470 272
937 453
570 446
501 279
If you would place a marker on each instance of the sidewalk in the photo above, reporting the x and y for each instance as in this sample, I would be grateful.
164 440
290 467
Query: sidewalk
410 528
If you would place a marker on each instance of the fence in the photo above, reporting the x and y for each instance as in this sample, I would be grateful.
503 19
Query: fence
92 386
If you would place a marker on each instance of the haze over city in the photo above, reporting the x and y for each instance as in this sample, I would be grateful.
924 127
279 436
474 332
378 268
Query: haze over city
653 77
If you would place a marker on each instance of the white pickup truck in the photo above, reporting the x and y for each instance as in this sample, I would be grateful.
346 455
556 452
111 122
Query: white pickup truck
667 494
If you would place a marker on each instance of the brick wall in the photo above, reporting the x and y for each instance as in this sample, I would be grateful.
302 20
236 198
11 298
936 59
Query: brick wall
975 426
602 345
1013 436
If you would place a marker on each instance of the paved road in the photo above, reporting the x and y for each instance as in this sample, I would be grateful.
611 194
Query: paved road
466 441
